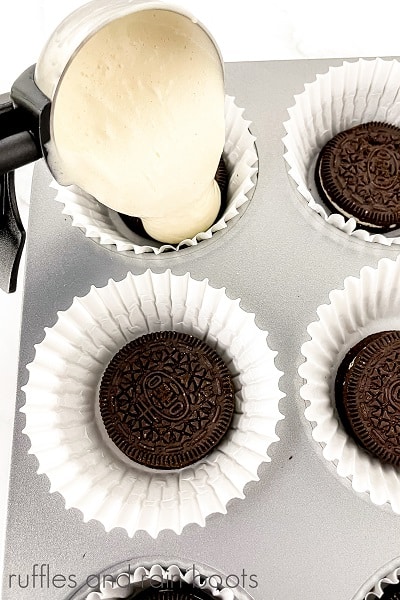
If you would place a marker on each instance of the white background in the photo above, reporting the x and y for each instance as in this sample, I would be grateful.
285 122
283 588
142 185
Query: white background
247 30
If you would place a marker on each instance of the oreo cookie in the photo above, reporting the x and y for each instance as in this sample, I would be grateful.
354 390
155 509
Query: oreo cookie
166 400
221 177
358 175
367 394
391 592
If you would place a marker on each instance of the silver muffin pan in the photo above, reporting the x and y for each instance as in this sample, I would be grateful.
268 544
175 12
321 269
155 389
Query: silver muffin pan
301 529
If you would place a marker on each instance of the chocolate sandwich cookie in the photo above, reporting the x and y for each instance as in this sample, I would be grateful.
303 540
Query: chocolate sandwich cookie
391 592
135 224
166 399
178 591
367 393
221 177
358 175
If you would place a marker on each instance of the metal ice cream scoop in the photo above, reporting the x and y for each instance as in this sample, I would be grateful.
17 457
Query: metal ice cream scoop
26 113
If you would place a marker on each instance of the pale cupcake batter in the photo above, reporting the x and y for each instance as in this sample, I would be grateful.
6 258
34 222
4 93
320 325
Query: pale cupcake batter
138 122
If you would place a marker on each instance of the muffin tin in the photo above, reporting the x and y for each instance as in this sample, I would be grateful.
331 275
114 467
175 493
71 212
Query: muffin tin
302 530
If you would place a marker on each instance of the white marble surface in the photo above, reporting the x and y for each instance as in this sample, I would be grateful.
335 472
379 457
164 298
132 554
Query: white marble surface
251 30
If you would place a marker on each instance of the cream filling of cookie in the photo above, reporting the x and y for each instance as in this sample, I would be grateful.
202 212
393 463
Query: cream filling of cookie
138 122
344 213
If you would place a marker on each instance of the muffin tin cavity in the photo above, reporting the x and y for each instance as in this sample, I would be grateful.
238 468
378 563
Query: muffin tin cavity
346 96
106 226
383 584
357 311
132 577
79 458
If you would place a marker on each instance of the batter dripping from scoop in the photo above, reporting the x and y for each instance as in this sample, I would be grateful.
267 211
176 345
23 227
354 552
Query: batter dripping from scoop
138 122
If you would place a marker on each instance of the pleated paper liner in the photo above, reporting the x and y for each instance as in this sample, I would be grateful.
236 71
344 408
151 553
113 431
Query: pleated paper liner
346 96
68 437
107 228
128 580
366 305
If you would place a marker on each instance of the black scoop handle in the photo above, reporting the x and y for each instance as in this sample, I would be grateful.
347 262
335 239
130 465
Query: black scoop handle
12 234
24 123
17 148
24 131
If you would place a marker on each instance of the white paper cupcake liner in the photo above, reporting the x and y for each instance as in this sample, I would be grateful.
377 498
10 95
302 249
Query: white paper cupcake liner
366 305
345 96
106 226
67 434
142 577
